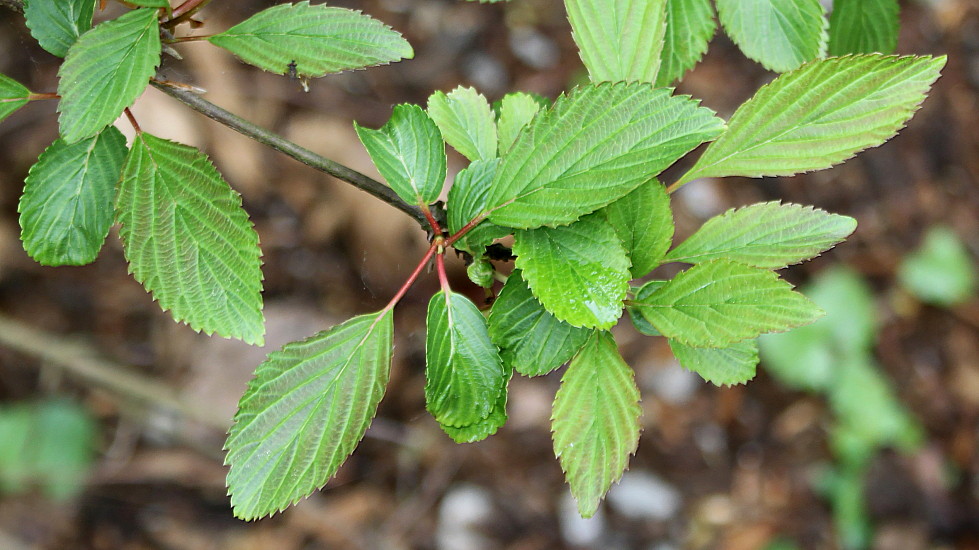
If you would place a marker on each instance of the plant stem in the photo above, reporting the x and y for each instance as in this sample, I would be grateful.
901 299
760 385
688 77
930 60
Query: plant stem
187 8
436 228
411 278
465 229
294 150
132 120
440 267
183 39
36 97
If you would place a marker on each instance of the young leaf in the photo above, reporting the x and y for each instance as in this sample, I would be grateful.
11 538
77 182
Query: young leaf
619 40
644 222
516 112
487 426
313 40
591 148
531 340
863 26
779 34
188 241
408 151
304 413
68 203
13 96
595 421
105 71
579 272
57 24
463 369
689 28
466 122
940 272
819 115
467 198
721 302
730 365
770 235
635 315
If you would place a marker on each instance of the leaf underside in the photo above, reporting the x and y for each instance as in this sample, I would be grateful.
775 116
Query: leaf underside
57 24
734 364
864 26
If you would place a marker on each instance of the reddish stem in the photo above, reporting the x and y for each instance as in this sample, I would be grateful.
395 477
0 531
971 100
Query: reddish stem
465 229
440 267
132 120
187 7
411 278
35 97
436 229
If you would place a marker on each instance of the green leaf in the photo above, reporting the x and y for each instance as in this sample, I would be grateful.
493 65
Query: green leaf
516 112
619 40
819 115
313 40
635 314
595 421
68 203
802 358
531 340
467 199
466 122
721 302
644 222
779 34
579 272
866 404
734 364
105 71
188 241
304 413
13 96
463 368
591 148
151 3
487 426
940 272
689 28
770 235
57 24
863 26
408 151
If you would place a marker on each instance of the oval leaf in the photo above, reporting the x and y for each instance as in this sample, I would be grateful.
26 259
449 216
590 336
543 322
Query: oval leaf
644 221
689 28
779 34
595 421
463 369
105 71
57 24
68 203
619 40
531 340
769 234
313 40
516 112
819 115
591 148
487 426
13 96
466 121
579 272
735 364
722 302
408 151
188 241
304 413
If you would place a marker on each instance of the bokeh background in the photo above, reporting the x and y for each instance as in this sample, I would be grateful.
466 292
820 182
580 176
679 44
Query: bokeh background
125 410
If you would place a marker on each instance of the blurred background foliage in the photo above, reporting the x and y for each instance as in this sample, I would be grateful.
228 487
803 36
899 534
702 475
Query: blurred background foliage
860 431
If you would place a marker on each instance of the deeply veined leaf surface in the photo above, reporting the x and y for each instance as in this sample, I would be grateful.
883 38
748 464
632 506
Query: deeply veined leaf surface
595 421
467 198
619 40
105 71
591 148
13 96
579 272
721 302
644 221
466 121
313 40
530 338
464 373
779 34
304 413
57 24
516 111
68 203
188 241
734 364
819 115
486 427
864 26
689 28
770 234
408 151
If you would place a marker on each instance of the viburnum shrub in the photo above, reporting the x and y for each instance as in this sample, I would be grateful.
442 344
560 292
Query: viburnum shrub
574 181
